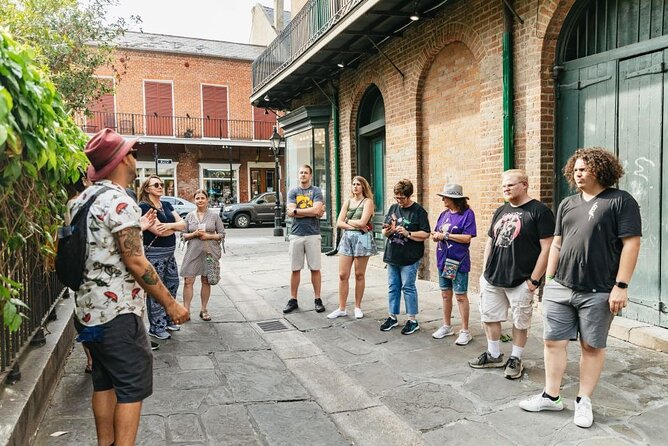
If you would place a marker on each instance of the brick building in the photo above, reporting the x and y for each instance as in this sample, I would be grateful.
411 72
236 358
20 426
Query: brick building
458 91
186 100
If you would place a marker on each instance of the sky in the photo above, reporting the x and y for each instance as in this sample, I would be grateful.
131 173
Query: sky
228 20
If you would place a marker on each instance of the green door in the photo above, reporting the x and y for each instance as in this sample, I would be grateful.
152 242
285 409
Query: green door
620 104
377 182
642 107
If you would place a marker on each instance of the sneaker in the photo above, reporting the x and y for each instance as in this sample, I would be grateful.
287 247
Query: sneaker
389 324
464 337
291 306
538 402
410 327
319 307
336 313
514 368
358 313
442 332
154 346
486 361
583 417
162 335
173 327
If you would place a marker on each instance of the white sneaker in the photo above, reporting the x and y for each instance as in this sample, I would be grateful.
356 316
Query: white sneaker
442 332
538 402
464 337
336 313
358 313
584 416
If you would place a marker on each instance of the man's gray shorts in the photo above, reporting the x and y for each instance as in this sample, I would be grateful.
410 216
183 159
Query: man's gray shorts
567 313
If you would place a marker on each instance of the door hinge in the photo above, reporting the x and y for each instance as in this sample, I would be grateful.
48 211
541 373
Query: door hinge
656 305
654 69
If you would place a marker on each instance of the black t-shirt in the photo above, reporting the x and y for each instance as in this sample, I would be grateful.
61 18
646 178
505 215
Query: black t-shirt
166 215
591 238
516 233
400 250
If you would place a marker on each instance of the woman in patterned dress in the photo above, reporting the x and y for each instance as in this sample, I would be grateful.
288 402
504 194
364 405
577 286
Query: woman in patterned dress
204 233
159 247
357 244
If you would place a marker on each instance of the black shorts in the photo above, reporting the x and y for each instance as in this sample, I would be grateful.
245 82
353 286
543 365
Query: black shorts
123 360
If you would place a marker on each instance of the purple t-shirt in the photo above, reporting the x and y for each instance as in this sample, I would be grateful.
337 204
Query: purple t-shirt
455 223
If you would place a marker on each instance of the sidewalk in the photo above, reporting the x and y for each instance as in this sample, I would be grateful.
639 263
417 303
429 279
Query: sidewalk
342 382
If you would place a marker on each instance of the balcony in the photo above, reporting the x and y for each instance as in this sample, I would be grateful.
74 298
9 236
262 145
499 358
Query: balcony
133 124
326 37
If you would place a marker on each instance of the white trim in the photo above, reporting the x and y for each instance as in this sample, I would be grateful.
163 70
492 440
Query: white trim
254 165
151 165
159 81
220 166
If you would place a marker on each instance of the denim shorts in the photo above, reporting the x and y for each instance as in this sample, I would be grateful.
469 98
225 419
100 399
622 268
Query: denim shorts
460 284
357 244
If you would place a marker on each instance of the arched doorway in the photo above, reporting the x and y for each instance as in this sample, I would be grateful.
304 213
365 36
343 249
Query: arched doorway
612 92
371 151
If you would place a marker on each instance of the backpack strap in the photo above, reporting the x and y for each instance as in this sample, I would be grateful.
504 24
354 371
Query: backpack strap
84 209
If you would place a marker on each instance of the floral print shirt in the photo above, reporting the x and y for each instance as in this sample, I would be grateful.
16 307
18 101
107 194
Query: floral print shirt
108 288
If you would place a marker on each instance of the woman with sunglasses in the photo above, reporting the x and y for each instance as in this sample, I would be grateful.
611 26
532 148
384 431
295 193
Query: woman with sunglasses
159 247
204 233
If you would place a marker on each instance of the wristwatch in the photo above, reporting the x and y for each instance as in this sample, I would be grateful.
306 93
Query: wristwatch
534 282
622 285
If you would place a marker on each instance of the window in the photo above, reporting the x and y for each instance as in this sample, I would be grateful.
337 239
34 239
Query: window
214 111
158 106
166 173
263 123
221 182
103 111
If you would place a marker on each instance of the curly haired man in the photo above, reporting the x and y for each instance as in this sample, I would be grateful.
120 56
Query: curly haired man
592 258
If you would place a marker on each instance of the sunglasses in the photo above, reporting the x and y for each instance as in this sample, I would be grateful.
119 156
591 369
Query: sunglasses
156 185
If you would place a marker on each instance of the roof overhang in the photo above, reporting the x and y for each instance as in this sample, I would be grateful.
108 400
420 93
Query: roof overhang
360 33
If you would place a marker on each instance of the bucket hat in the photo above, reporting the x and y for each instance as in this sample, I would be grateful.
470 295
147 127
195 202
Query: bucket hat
105 151
452 191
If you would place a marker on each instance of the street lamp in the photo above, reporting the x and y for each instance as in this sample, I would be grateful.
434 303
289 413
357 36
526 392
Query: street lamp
275 146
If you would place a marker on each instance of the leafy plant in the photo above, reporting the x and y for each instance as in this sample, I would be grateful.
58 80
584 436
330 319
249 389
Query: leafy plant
40 152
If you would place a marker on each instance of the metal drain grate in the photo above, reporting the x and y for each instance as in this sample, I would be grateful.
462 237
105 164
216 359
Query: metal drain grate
272 326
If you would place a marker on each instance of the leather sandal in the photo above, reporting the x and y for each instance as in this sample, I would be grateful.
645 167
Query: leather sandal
204 315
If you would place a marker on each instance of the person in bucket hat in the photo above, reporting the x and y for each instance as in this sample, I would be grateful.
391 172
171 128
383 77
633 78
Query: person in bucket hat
453 232
109 304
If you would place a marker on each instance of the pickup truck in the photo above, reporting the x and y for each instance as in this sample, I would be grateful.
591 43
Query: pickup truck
259 210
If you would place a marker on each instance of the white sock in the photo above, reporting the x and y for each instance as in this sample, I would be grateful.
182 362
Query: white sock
493 348
517 351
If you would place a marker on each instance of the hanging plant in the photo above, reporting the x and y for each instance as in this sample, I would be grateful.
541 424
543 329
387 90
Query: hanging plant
41 150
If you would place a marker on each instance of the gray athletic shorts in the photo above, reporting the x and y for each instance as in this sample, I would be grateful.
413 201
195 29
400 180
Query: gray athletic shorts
567 313
306 246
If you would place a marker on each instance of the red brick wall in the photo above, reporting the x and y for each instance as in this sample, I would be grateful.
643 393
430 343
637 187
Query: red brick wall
444 62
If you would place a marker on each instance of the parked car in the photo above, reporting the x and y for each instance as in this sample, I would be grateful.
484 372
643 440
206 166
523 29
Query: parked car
181 206
259 210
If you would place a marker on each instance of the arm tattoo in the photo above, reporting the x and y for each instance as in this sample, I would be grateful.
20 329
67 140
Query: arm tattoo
150 277
129 242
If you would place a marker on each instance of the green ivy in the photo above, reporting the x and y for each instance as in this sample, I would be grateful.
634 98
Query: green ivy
41 150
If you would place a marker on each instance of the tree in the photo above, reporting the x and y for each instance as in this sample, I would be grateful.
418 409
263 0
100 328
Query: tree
71 40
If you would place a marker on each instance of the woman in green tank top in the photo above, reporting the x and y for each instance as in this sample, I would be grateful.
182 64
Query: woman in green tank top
357 244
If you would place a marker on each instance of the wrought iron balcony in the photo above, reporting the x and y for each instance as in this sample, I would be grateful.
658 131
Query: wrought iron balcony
133 124
312 21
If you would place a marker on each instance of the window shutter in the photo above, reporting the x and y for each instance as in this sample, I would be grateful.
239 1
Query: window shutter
159 114
263 124
103 111
214 107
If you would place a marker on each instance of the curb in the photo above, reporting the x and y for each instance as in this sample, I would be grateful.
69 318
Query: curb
23 404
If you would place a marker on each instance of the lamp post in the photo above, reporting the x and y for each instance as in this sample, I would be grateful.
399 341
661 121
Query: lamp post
275 146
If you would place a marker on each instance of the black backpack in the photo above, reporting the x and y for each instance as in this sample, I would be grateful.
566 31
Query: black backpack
71 252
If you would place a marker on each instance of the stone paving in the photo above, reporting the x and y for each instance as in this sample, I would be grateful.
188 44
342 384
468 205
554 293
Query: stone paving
344 382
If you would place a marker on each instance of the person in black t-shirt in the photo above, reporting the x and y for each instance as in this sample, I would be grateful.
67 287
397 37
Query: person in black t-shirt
515 260
406 228
592 258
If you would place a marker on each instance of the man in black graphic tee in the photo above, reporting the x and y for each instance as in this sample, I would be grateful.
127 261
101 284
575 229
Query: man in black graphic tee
515 260
592 258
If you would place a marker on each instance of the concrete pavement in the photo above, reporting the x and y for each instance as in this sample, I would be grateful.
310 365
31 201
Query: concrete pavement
314 381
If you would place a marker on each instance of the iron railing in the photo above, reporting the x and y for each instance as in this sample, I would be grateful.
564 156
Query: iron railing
41 291
133 124
311 22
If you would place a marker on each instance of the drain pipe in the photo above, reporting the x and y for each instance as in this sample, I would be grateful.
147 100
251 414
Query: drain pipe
508 95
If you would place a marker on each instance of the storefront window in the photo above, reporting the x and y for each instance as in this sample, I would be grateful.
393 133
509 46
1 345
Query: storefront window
216 180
